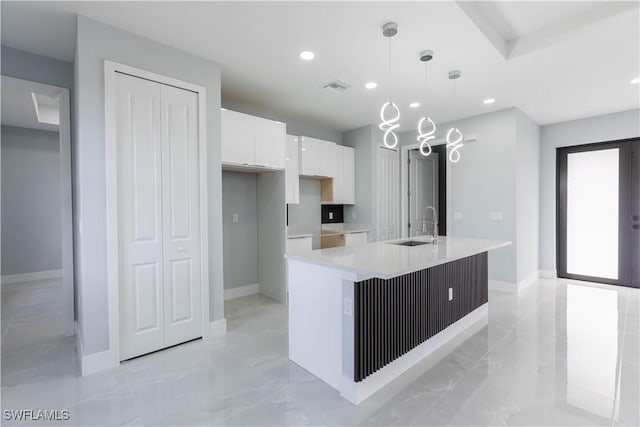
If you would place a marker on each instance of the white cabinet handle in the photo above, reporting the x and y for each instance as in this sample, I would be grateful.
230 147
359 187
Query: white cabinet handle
182 249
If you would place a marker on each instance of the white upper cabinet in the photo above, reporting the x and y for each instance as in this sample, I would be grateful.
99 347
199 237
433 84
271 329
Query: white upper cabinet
349 176
237 138
270 143
327 159
309 156
292 171
252 141
344 179
317 157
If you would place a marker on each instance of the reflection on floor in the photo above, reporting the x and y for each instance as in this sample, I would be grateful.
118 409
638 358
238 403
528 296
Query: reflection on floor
560 353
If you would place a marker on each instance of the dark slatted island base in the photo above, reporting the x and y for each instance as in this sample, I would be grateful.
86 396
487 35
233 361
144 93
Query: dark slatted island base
360 316
392 316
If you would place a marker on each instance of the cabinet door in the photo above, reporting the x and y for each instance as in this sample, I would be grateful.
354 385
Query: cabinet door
327 158
181 216
269 143
349 176
238 133
338 179
351 239
309 156
291 172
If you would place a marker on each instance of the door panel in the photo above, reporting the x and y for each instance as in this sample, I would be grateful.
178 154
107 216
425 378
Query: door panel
181 211
635 215
423 189
140 216
387 194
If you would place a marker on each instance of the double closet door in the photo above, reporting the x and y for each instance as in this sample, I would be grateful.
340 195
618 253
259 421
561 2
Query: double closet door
599 212
158 215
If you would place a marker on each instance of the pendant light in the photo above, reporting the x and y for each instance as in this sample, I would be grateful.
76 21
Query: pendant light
454 136
424 136
389 113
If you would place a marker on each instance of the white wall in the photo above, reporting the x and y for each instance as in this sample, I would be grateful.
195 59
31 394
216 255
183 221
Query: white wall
31 210
527 196
239 196
306 217
603 128
96 42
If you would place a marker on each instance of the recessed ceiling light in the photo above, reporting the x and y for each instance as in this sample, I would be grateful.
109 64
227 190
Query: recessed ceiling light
414 105
371 85
635 81
307 55
489 101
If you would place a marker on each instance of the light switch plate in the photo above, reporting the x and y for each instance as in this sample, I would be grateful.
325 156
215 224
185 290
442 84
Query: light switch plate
347 306
496 216
235 217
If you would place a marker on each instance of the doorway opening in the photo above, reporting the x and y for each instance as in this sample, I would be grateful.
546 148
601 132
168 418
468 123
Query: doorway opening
424 183
598 212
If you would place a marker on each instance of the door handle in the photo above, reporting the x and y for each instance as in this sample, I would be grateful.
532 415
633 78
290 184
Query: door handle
181 250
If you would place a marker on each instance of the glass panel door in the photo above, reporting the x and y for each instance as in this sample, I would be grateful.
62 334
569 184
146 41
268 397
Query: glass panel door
592 213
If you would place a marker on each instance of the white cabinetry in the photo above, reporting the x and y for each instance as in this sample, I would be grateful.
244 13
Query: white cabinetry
351 239
344 180
252 141
291 171
299 244
317 157
269 143
237 138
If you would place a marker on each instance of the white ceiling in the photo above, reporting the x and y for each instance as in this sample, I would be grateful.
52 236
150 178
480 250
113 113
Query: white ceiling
18 110
554 60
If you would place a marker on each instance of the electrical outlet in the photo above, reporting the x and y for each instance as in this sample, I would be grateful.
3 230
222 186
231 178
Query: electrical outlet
457 215
496 216
450 294
347 307
235 217
330 215
353 215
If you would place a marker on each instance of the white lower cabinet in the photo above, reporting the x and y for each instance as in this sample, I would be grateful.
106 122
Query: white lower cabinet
299 244
351 239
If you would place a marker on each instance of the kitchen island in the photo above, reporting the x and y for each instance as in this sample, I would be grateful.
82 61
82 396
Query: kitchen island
359 316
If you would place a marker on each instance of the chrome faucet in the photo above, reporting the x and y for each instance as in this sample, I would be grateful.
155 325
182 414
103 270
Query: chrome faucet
435 222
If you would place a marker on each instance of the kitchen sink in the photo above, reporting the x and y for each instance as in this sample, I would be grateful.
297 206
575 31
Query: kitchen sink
410 243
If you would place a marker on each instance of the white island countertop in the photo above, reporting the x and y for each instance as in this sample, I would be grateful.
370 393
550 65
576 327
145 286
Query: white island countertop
386 260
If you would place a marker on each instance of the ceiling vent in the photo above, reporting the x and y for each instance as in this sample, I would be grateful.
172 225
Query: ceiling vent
337 86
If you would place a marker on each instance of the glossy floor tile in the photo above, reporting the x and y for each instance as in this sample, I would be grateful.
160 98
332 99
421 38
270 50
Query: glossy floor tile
557 353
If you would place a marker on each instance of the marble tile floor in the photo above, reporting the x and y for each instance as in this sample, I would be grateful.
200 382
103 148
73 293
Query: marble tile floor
558 353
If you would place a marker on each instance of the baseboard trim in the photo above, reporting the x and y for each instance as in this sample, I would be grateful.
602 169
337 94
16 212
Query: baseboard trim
525 283
96 362
217 327
548 274
499 285
31 277
241 291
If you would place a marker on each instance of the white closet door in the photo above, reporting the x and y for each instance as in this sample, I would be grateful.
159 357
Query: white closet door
140 215
181 212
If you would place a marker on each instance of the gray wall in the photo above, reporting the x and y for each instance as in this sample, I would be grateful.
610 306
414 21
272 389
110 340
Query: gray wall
96 42
240 239
31 214
28 66
294 126
527 195
483 181
607 127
